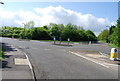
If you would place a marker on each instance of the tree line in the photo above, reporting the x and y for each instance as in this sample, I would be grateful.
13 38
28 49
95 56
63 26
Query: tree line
60 31
111 35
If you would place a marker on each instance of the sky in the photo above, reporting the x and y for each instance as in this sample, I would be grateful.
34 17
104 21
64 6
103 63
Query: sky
89 15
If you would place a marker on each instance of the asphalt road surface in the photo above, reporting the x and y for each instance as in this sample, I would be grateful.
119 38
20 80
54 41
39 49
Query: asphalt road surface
56 62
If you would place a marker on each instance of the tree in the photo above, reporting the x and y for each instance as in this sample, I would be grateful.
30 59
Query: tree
70 32
104 35
45 27
54 31
115 37
90 35
113 34
40 34
111 30
35 34
73 32
81 35
27 27
29 24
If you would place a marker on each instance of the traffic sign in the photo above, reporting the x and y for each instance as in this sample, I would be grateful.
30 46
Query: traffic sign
68 39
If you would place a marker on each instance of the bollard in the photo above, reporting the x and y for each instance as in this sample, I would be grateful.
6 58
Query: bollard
113 54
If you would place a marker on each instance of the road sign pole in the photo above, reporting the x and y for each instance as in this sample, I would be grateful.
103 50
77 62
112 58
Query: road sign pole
54 39
68 41
60 40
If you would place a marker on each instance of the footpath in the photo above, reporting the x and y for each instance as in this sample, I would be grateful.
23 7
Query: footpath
15 65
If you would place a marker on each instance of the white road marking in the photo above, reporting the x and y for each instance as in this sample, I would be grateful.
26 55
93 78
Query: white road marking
76 43
30 65
104 54
89 59
34 48
64 50
61 50
20 46
111 64
28 61
47 49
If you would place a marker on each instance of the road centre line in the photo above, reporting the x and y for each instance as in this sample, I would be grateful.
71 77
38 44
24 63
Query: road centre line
89 59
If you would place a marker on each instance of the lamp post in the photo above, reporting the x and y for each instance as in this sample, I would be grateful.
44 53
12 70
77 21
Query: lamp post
68 40
24 29
1 3
2 27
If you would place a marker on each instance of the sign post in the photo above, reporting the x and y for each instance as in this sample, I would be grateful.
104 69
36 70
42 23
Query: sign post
60 39
68 41
54 39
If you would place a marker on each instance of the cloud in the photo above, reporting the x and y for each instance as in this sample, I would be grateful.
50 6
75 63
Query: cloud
59 15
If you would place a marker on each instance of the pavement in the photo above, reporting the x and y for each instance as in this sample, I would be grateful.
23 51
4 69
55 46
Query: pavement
15 65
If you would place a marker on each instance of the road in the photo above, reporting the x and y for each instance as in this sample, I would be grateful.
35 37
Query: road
56 62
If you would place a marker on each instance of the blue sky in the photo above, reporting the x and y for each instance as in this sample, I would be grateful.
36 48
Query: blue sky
84 14
99 9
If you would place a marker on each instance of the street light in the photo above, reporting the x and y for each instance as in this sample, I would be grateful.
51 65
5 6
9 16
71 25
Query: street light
108 26
1 3
24 30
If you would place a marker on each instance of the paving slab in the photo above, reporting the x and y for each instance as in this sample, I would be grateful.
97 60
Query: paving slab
20 61
26 74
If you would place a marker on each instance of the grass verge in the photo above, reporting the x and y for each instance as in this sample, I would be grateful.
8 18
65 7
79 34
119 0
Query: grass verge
114 46
1 53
